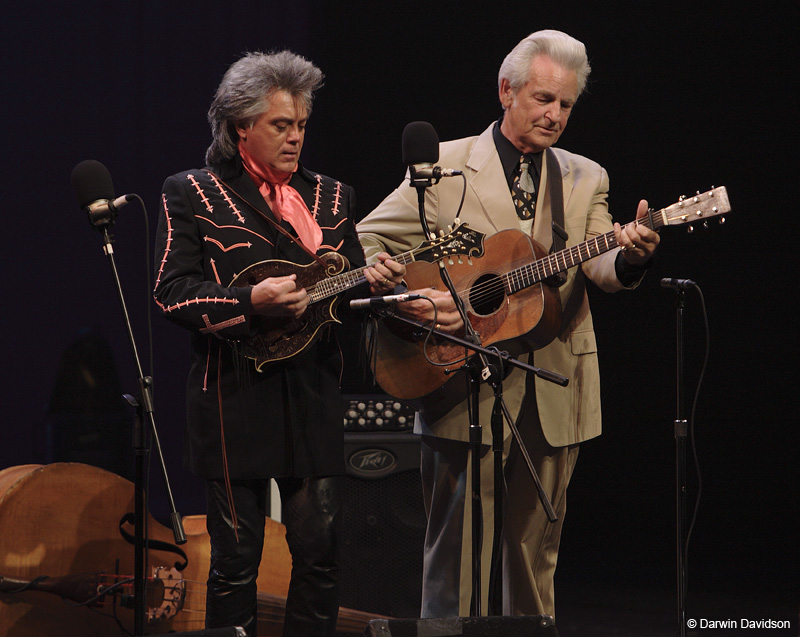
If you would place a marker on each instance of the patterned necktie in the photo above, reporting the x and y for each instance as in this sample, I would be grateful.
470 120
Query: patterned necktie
523 191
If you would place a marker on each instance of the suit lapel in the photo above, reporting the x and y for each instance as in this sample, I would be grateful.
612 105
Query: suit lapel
244 187
489 183
301 181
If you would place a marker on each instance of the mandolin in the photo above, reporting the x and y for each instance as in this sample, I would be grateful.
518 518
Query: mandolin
278 338
505 298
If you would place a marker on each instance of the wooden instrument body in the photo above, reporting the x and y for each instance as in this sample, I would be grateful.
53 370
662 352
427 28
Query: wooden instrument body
526 320
63 520
278 338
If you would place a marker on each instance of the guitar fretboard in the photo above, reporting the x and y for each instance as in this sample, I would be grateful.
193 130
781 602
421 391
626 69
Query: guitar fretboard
544 268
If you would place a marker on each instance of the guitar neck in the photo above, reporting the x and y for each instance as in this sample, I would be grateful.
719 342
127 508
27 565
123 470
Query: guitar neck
563 260
334 285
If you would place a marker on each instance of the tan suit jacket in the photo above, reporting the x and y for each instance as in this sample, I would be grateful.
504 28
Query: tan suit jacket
568 414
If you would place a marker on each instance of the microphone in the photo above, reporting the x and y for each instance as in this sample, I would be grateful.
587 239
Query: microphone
382 301
92 185
436 173
420 145
678 284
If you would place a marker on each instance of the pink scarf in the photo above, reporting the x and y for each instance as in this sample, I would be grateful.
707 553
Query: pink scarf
284 201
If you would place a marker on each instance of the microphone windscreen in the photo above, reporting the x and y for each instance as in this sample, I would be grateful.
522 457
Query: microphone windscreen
91 181
420 144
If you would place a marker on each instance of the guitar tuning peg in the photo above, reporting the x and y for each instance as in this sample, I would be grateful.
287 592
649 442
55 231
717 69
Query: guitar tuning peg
469 260
460 261
682 197
450 261
705 224
721 220
449 228
690 229
441 233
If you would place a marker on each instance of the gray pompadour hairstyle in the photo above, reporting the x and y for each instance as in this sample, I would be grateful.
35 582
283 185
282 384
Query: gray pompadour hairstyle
244 91
560 47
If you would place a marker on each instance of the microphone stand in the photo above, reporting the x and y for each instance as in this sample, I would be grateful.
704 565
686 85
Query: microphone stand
144 411
681 430
481 370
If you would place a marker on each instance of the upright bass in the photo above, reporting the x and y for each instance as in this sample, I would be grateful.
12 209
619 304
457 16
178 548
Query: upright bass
66 567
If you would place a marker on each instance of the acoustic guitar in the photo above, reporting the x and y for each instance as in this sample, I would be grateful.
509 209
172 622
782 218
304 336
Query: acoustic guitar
505 298
280 338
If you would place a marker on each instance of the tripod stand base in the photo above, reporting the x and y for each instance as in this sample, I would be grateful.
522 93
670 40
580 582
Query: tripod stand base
536 625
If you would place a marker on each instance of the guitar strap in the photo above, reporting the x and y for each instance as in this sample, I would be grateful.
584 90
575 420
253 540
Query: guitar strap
556 187
274 223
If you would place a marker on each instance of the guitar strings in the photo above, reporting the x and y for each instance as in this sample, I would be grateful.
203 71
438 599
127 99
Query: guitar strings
533 273
338 283
529 274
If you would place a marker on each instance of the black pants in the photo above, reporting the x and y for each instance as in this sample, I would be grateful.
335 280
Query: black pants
311 514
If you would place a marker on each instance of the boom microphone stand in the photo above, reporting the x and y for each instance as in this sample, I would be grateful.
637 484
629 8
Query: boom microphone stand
89 178
480 369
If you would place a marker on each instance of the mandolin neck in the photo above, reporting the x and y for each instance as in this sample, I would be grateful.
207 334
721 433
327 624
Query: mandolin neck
331 286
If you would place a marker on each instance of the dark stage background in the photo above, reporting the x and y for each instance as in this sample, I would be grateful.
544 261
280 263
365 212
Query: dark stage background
682 97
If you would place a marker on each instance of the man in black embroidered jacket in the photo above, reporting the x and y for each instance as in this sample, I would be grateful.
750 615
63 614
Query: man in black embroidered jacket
255 202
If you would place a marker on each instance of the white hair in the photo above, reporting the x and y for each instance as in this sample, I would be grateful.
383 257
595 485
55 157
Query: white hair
560 47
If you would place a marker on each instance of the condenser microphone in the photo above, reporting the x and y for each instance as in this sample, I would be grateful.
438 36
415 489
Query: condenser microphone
92 185
420 146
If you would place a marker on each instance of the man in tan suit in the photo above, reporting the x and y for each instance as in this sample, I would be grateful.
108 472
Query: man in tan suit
539 83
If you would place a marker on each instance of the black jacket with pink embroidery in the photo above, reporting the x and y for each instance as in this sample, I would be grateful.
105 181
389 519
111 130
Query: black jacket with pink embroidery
287 419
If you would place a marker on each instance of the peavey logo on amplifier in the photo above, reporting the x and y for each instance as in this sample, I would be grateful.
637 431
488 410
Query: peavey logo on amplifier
372 463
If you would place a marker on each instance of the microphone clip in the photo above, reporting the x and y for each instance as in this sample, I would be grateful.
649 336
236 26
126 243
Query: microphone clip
425 177
104 212
421 178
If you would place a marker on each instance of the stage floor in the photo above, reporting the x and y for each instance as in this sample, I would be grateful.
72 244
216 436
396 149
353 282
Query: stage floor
594 610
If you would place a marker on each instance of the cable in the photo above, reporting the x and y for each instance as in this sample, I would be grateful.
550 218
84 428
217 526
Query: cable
692 439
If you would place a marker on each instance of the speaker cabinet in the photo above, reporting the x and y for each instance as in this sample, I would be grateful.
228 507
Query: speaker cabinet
384 524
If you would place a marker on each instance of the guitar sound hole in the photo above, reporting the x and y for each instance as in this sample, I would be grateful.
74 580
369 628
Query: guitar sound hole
487 294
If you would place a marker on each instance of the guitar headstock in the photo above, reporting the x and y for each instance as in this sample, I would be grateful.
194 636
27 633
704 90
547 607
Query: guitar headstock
698 208
460 241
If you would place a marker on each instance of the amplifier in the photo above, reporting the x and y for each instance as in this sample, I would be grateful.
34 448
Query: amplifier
376 412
